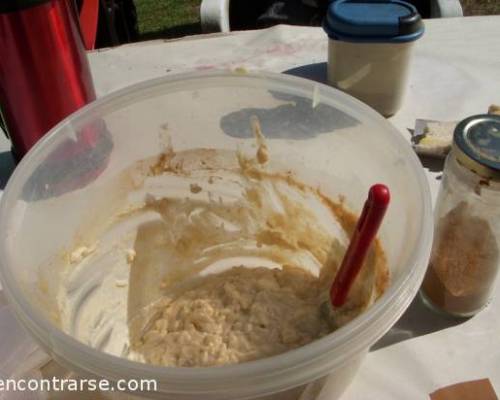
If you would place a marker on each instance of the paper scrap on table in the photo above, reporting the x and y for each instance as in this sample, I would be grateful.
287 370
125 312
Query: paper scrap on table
480 389
433 138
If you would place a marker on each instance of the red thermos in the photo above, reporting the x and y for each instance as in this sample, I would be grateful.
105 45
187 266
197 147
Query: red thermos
44 72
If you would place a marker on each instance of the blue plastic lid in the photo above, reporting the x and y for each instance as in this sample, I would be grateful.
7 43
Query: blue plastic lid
373 21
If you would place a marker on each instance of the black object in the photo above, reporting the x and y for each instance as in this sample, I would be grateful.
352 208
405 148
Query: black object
17 5
293 12
257 14
423 7
117 22
245 14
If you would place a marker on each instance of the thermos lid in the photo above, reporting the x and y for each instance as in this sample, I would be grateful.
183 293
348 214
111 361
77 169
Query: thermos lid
373 21
18 5
476 144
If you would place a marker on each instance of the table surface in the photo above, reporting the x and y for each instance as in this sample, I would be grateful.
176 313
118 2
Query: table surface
455 73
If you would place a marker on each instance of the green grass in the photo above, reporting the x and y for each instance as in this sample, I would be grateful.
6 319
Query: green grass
481 7
168 18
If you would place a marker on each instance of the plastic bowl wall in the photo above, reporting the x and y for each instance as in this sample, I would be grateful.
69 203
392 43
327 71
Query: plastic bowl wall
325 136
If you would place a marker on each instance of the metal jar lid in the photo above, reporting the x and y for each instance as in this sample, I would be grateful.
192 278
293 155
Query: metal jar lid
476 144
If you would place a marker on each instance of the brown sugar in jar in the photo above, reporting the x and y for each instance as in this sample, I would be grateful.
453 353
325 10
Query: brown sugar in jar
465 257
463 264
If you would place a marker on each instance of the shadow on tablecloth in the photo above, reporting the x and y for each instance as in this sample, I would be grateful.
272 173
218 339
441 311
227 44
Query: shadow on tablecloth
315 72
7 166
433 164
418 320
297 118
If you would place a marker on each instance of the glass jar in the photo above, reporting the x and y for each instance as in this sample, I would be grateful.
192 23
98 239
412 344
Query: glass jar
465 255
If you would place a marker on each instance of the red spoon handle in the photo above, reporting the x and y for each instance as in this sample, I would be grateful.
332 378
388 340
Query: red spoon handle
363 236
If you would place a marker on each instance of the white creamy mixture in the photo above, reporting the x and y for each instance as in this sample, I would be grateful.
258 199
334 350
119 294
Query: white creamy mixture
238 315
215 260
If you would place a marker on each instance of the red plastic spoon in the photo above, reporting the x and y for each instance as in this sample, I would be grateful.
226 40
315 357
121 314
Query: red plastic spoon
363 236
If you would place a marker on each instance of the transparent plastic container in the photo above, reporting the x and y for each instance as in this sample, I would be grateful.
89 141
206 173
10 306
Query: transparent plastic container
67 180
375 73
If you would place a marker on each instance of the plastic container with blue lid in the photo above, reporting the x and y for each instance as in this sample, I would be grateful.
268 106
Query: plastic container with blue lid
369 49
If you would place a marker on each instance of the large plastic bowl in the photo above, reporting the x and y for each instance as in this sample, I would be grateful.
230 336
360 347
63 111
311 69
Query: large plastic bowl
309 127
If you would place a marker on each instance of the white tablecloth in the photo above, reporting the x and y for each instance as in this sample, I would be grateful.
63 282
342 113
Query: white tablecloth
455 73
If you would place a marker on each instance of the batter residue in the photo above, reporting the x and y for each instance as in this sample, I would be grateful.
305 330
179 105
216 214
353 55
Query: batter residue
213 259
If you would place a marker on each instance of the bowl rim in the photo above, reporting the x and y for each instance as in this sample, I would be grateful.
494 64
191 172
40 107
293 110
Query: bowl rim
310 361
